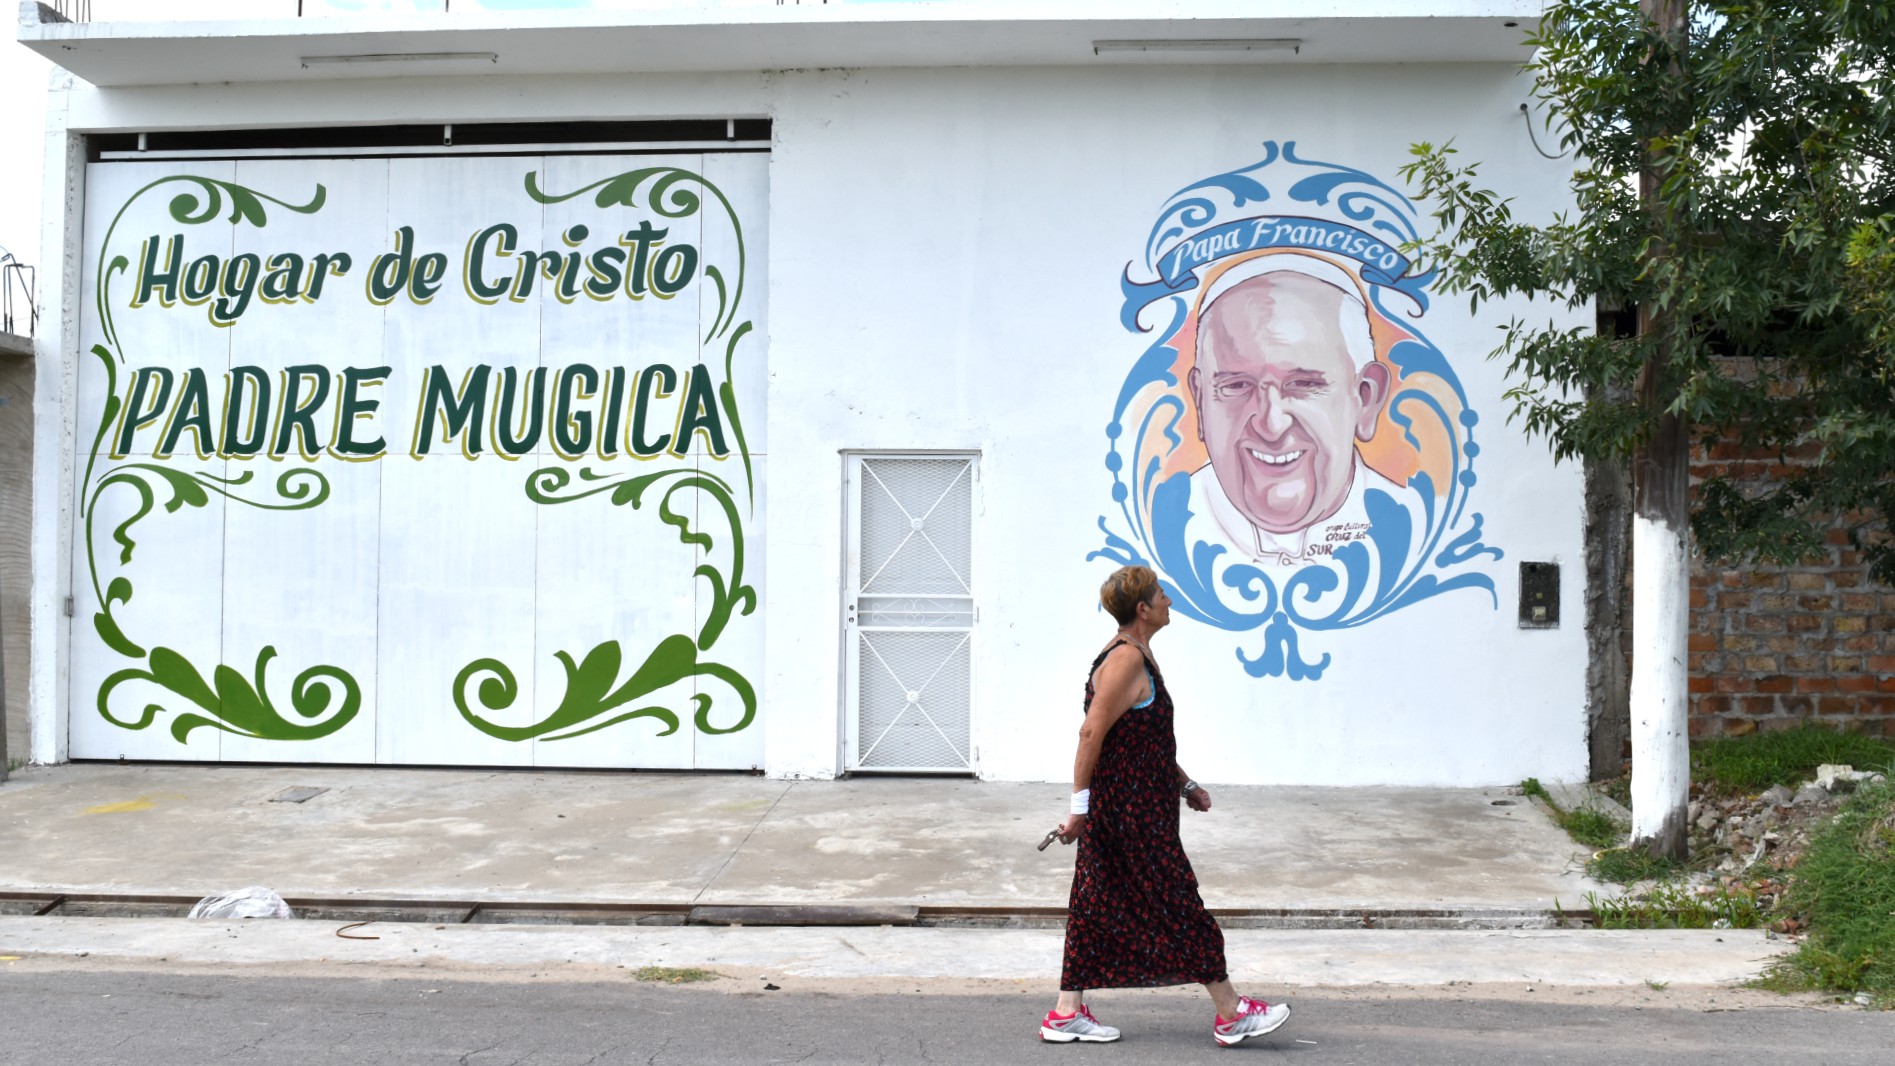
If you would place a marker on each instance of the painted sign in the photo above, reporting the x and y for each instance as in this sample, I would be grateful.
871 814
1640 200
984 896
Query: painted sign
439 461
1290 451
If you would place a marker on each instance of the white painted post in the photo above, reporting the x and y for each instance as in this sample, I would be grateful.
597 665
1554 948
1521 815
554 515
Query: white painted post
1661 753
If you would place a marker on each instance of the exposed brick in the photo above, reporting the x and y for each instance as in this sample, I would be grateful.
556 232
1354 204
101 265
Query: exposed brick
1773 646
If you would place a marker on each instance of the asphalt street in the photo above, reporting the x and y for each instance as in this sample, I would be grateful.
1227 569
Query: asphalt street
95 1018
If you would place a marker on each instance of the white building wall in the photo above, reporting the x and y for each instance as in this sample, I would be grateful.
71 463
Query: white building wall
947 247
945 254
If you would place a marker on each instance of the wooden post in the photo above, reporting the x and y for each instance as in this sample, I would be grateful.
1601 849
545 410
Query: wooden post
1661 568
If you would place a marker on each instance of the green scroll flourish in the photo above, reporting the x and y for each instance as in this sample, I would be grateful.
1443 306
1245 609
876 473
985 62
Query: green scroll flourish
235 705
590 696
228 702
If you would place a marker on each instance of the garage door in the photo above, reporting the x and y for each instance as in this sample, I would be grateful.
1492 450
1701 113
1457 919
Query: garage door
436 460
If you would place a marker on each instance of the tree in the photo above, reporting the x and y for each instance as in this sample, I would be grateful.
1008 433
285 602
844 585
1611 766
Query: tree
1735 187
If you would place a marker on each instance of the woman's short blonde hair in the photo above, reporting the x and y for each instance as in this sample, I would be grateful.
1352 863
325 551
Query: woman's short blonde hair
1128 587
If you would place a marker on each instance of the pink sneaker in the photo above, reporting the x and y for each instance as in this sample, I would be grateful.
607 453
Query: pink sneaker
1080 1025
1254 1018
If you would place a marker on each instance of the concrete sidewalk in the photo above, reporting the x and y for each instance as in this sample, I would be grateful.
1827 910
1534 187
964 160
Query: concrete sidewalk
679 840
702 839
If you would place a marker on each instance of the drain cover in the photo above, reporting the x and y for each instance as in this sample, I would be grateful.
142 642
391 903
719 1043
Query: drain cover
297 794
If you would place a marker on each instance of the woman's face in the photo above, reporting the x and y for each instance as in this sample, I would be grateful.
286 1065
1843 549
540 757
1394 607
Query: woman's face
1156 612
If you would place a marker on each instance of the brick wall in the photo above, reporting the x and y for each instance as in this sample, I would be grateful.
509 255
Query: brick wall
1774 646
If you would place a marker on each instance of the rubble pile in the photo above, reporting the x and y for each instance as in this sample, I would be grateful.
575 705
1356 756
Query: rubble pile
1773 827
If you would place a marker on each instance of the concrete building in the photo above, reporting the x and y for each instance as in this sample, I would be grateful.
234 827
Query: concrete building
738 386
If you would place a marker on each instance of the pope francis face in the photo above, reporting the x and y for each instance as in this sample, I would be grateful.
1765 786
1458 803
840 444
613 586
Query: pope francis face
1280 398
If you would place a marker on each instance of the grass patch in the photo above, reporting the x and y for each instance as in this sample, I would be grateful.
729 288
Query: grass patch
674 975
1677 906
1587 825
1754 763
1845 889
1624 866
1591 827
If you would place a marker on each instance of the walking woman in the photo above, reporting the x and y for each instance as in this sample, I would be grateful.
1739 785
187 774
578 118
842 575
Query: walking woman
1136 919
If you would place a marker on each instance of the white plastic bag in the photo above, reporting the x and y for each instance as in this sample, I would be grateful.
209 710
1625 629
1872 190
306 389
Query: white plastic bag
252 902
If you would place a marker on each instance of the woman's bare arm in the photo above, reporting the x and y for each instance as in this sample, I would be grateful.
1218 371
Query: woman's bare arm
1119 683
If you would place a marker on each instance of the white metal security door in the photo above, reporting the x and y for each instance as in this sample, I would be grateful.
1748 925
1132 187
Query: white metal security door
909 615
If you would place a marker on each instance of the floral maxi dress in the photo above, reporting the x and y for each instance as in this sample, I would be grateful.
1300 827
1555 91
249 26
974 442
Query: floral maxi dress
1135 919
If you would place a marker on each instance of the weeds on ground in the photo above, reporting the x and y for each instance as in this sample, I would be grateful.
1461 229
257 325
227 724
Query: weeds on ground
1751 764
1625 866
1594 828
1678 906
674 975
1845 890
1587 825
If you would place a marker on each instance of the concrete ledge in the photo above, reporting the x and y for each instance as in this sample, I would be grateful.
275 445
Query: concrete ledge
805 915
1569 958
14 346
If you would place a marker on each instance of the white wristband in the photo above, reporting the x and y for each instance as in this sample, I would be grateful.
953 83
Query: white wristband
1082 801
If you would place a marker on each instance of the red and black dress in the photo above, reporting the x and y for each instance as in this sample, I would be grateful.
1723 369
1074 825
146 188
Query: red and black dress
1135 919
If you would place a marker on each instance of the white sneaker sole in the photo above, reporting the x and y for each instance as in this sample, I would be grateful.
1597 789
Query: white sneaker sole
1058 1036
1233 1041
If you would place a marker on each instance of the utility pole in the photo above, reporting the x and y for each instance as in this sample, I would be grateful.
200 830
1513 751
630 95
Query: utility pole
1661 535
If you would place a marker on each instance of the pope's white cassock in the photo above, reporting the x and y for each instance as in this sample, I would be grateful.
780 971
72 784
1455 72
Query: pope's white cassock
1217 519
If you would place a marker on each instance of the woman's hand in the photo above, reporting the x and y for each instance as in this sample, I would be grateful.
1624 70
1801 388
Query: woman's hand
1198 799
1069 829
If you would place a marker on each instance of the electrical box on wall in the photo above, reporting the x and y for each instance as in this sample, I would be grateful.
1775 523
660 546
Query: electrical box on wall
1539 595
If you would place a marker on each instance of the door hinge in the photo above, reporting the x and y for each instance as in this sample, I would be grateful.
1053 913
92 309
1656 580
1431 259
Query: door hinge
69 607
